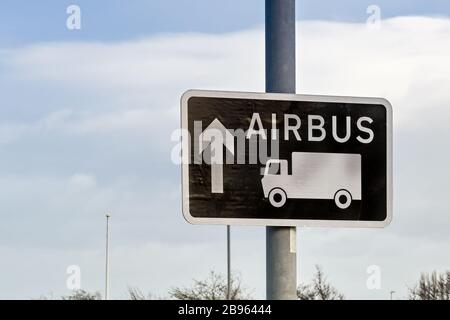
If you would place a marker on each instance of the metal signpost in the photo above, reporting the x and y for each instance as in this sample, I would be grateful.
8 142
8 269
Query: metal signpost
283 160
281 255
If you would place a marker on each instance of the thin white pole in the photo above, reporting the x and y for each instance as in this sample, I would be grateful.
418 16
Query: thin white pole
228 263
107 258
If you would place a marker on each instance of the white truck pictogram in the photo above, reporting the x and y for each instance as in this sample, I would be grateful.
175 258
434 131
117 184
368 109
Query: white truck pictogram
314 176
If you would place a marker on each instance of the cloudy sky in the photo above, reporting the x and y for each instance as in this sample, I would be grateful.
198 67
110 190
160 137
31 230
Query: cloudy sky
86 118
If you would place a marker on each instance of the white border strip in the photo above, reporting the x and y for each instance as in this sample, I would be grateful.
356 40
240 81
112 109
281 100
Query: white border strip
289 222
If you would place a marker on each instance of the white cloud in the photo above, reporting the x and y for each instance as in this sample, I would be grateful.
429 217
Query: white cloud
85 129
81 181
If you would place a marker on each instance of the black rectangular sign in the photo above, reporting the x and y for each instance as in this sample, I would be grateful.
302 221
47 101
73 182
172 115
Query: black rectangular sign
284 159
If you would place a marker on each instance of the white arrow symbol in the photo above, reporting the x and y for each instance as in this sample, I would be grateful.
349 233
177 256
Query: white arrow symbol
217 136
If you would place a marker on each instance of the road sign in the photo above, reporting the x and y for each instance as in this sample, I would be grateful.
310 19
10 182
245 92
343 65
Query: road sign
286 159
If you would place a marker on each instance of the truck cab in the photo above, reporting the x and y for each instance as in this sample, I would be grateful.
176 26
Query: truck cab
275 169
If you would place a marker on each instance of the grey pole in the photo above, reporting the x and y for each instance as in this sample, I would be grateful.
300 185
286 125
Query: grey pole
281 257
228 263
107 258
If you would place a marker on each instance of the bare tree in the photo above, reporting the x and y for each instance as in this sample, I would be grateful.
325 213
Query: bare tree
137 294
212 288
83 295
434 286
319 289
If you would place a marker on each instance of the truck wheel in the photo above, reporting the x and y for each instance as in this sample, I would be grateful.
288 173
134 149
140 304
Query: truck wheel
343 199
277 197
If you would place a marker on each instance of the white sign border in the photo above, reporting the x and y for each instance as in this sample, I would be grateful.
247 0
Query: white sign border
289 222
